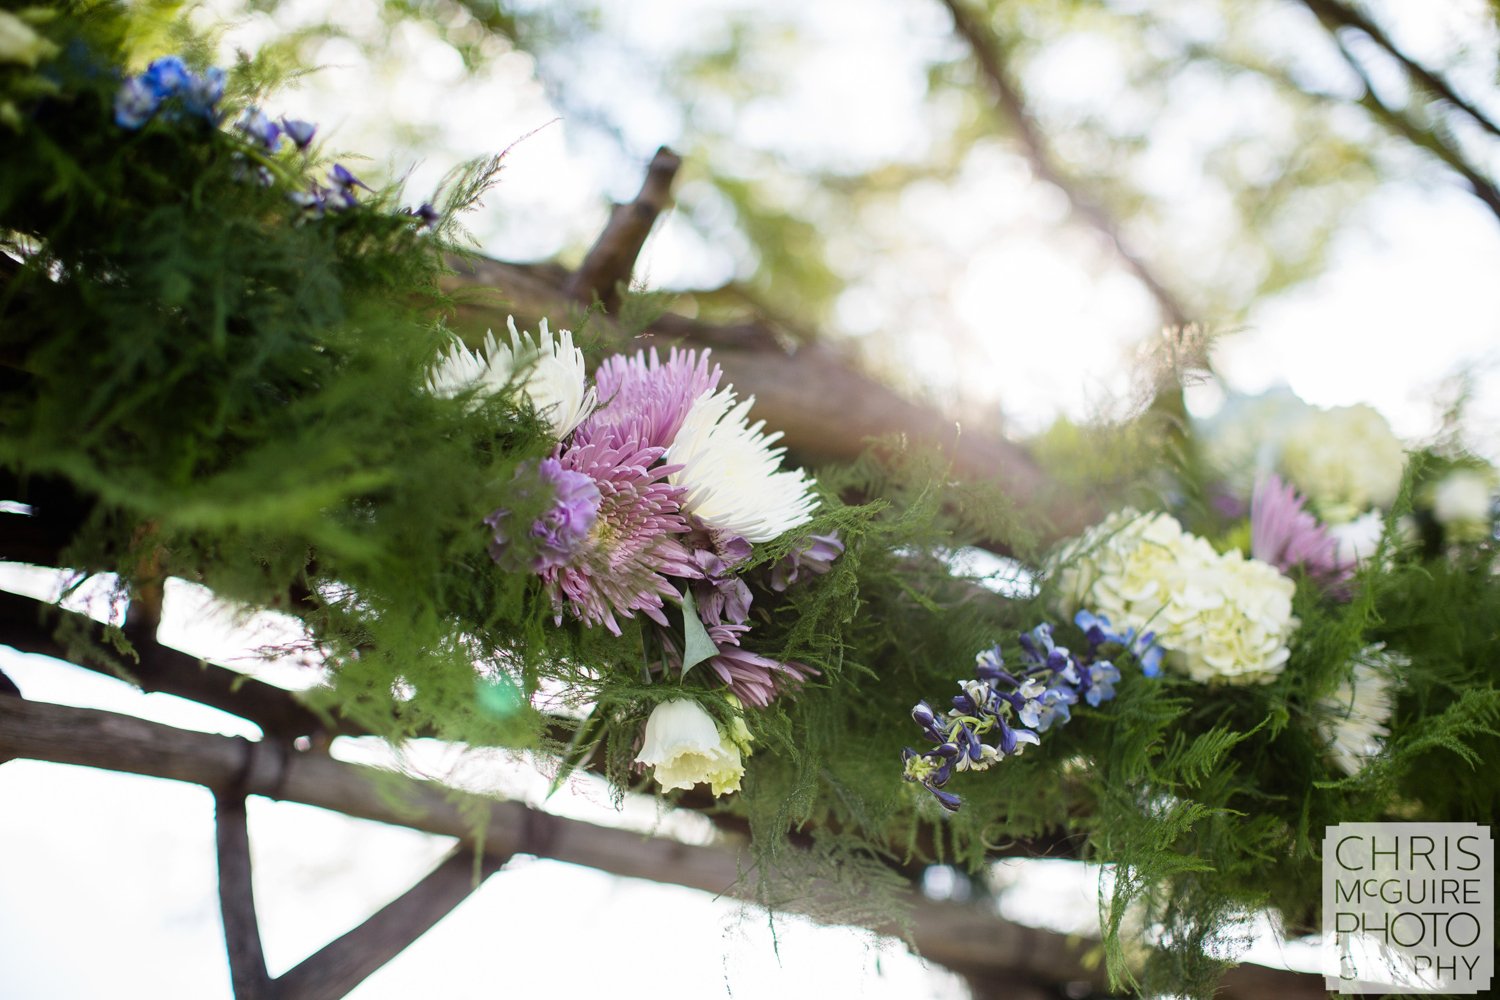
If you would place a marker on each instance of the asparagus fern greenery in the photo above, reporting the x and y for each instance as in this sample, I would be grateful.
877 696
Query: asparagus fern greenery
228 358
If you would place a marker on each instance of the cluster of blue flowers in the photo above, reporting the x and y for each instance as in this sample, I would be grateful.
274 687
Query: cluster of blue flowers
998 713
168 83
169 87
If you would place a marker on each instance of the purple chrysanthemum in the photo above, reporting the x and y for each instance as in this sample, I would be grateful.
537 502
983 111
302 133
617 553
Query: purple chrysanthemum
562 530
1285 535
752 678
643 401
632 544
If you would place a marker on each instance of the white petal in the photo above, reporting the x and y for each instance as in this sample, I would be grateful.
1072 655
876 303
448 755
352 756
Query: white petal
733 476
684 747
551 374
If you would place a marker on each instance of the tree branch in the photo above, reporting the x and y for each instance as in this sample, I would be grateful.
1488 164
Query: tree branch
1402 124
334 970
969 939
1334 15
247 961
992 58
826 409
281 716
610 261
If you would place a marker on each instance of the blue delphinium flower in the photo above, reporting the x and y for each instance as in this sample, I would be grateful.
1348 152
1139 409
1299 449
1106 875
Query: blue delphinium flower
203 93
342 196
167 76
1047 706
261 129
1096 628
1150 656
135 103
336 197
1102 677
313 201
426 214
998 713
1098 631
300 132
168 83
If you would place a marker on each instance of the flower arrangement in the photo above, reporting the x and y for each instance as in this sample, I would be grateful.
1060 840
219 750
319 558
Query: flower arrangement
1219 616
654 497
1214 683
1038 695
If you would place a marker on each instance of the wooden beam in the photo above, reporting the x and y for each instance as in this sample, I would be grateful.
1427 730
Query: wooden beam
336 969
24 626
247 960
962 937
968 938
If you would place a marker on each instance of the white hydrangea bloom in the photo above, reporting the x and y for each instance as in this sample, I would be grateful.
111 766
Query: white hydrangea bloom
1240 636
1360 710
1345 460
550 373
684 746
733 476
1220 618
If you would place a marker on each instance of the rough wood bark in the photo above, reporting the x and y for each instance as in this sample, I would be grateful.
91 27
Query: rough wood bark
971 940
609 263
247 961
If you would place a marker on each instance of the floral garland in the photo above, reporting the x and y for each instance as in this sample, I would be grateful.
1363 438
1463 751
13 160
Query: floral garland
653 498
1038 694
1278 638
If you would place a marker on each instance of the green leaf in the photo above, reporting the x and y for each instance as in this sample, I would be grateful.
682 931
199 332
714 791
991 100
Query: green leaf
580 748
696 645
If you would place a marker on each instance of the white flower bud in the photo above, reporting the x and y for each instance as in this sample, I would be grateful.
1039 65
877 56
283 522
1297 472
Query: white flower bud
685 746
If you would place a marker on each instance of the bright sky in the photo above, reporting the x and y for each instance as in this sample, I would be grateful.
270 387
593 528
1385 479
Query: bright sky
150 929
972 289
1410 300
1035 318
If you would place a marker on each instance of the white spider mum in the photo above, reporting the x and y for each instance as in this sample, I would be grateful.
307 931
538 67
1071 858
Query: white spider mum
548 372
1360 710
732 475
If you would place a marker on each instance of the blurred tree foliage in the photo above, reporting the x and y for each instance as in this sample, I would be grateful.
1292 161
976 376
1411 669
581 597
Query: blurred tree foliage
1212 150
